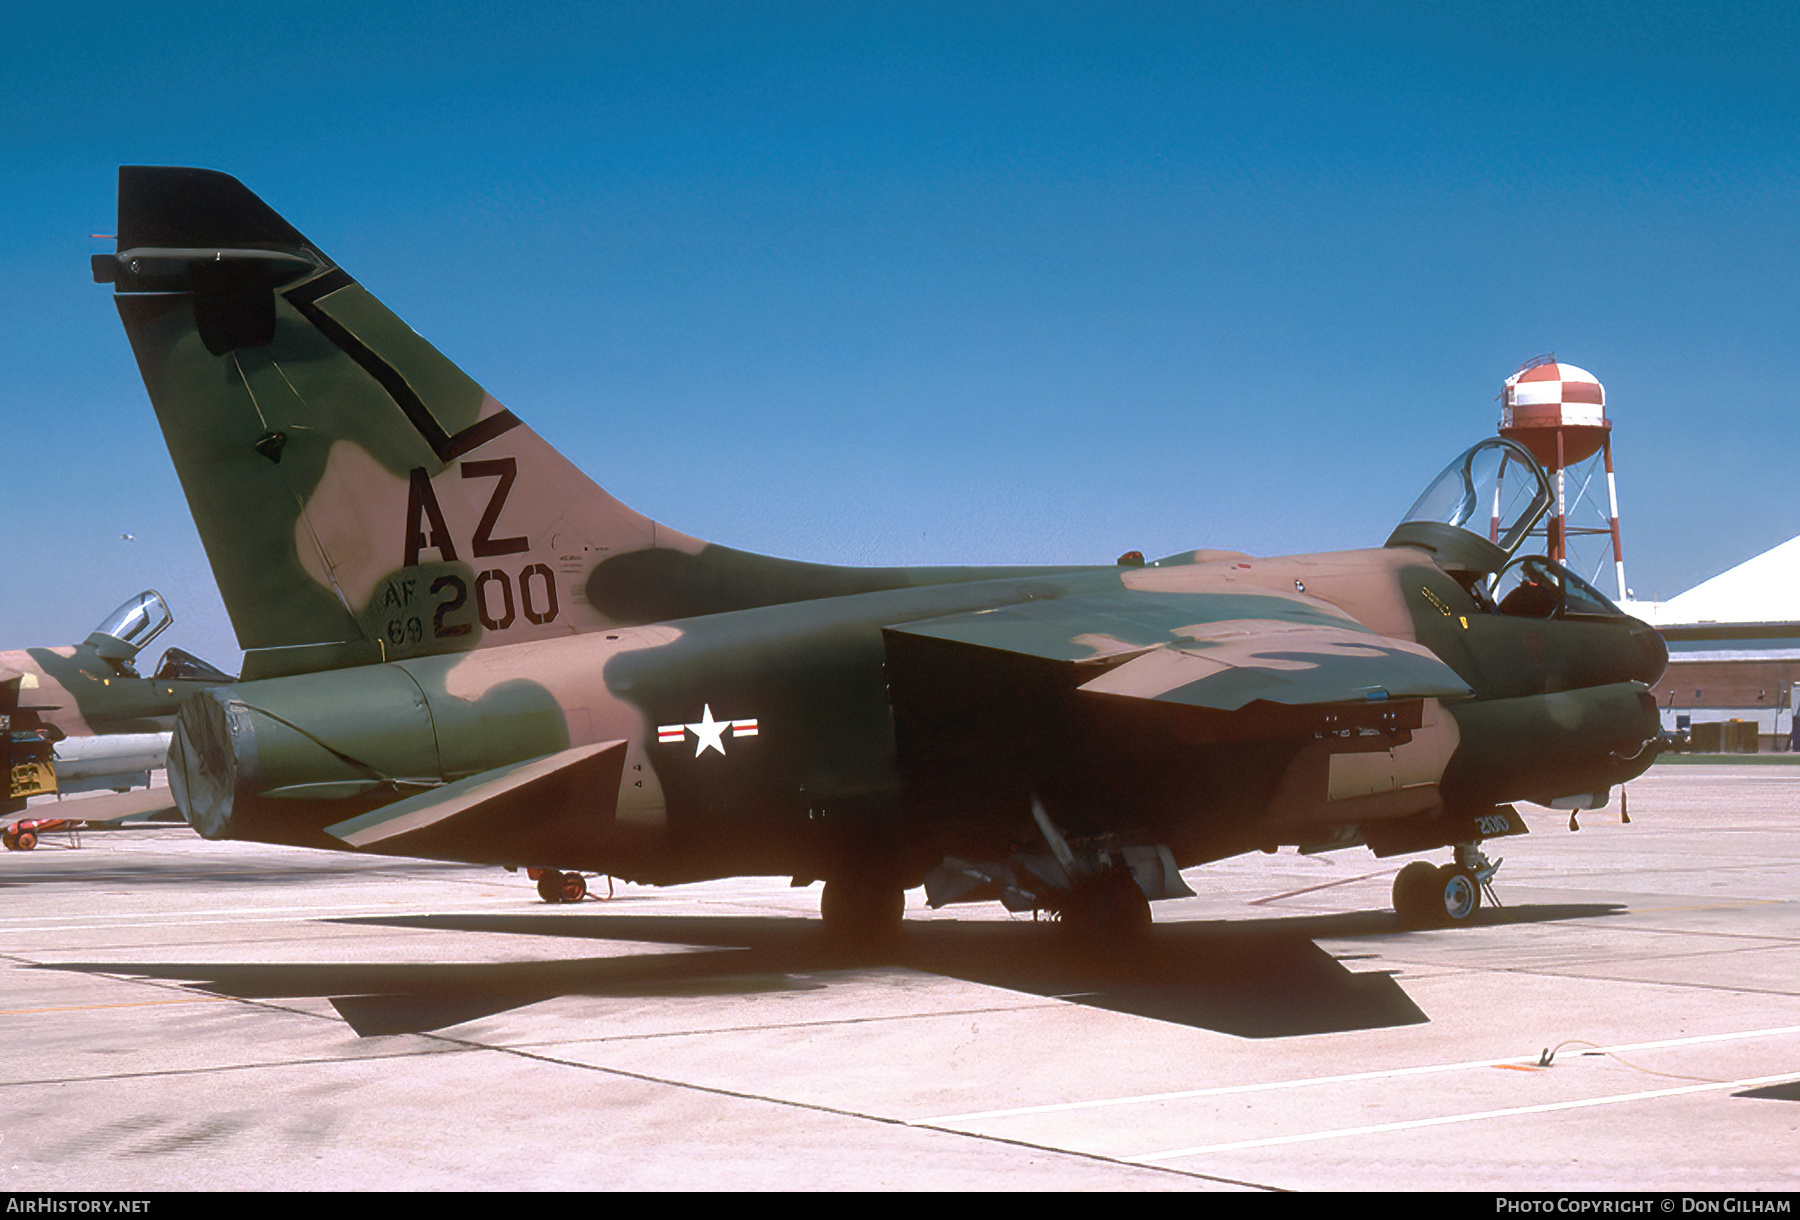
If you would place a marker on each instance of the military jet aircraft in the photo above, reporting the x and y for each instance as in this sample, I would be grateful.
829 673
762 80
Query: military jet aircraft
458 647
81 718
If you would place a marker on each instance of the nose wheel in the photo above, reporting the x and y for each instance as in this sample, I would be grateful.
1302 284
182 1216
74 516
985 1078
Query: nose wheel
1446 896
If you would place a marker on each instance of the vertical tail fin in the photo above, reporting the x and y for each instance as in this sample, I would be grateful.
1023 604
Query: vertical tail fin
360 497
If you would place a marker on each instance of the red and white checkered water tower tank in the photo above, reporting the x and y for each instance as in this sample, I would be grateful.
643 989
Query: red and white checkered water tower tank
1558 412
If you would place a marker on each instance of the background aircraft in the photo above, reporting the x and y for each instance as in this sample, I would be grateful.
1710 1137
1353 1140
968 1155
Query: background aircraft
81 718
459 647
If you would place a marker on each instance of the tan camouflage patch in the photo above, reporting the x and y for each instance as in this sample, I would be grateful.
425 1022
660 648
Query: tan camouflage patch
1365 585
332 534
56 705
1420 760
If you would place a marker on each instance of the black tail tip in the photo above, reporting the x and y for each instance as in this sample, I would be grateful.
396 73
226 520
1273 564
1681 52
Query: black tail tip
176 206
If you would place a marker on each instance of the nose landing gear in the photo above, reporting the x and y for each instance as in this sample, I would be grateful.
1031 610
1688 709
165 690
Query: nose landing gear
1427 896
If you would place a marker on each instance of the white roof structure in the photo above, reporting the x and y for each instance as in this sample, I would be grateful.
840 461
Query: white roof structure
1765 589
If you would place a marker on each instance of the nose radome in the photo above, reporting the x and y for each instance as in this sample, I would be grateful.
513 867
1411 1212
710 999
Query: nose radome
1656 653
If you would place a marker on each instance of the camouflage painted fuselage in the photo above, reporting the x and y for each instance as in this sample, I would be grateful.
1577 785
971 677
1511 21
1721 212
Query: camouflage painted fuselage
788 739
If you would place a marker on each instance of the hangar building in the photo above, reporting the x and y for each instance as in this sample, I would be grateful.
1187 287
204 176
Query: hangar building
1734 653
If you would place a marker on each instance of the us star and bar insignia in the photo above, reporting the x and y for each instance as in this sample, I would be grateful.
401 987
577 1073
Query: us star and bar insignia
709 734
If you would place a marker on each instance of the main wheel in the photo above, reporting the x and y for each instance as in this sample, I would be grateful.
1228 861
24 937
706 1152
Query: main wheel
549 885
862 910
573 888
1108 908
27 840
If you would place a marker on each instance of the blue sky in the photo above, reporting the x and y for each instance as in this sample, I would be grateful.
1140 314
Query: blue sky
958 282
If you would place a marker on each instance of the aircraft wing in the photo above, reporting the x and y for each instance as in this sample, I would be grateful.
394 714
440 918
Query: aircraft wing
1220 651
1281 663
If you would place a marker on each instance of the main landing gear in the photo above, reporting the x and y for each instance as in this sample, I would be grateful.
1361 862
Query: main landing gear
1099 888
1106 908
1428 896
861 910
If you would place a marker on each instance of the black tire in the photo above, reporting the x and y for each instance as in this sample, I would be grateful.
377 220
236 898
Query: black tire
860 911
572 889
549 885
1108 909
27 840
1418 898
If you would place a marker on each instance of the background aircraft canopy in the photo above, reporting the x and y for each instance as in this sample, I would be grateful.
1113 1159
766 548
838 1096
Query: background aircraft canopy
1475 514
123 634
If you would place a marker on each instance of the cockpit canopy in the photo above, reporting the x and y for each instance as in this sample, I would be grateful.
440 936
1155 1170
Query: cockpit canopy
1535 587
1476 513
123 634
180 665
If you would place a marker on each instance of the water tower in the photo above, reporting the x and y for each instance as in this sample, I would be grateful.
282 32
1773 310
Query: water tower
1559 412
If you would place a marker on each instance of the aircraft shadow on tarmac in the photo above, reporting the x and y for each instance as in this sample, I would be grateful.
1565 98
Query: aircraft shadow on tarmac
52 865
1262 978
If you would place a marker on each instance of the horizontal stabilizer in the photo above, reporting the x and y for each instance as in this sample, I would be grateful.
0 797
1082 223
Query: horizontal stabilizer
584 778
